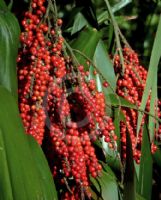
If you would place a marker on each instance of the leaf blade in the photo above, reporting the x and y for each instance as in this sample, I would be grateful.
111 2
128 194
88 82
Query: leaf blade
106 186
104 65
145 173
5 184
79 22
25 179
43 168
9 41
152 72
86 43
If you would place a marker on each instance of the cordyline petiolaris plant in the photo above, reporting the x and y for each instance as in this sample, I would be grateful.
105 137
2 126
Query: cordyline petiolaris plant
53 89
61 107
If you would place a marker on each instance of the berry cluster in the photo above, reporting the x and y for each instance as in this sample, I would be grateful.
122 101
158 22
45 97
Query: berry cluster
58 103
35 64
130 86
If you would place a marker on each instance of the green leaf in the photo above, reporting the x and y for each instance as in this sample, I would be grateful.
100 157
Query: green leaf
129 180
3 6
113 160
25 179
120 101
43 169
137 170
71 17
106 186
86 43
152 72
79 22
5 184
153 106
139 197
10 5
89 11
105 67
111 37
121 4
9 41
102 17
118 117
107 169
145 174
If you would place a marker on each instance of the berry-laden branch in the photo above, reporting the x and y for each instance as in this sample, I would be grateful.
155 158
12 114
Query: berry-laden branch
116 31
96 68
133 62
63 109
59 106
131 87
119 104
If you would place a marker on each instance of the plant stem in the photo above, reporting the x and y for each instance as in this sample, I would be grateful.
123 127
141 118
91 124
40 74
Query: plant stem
138 109
116 31
86 57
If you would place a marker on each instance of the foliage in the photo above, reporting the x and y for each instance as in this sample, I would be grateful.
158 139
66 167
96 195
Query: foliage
91 30
24 172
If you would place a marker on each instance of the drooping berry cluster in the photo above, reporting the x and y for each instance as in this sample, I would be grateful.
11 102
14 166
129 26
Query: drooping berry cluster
58 102
130 86
36 61
76 112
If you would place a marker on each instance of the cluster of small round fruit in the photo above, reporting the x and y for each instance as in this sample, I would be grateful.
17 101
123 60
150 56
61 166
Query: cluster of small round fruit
34 67
58 103
130 86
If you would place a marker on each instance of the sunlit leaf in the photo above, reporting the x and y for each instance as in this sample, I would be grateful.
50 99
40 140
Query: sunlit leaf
118 117
20 172
145 173
105 67
79 23
85 45
106 186
121 4
153 106
152 72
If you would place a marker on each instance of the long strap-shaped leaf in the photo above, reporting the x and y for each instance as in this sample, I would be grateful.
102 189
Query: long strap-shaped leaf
146 169
43 169
86 43
152 73
9 41
153 105
5 184
20 175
